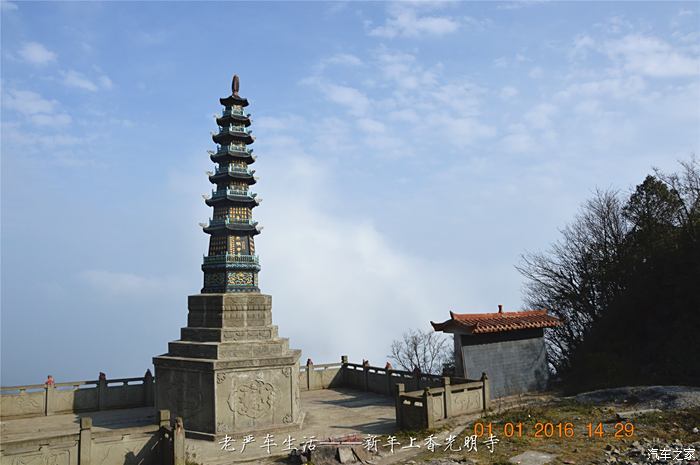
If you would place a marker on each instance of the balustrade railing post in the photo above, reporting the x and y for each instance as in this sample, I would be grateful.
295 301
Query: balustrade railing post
179 442
102 392
85 441
148 388
49 399
428 408
343 370
166 437
309 370
448 396
400 389
485 391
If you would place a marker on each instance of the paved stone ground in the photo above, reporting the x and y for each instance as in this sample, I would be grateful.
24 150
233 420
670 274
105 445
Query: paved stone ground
330 413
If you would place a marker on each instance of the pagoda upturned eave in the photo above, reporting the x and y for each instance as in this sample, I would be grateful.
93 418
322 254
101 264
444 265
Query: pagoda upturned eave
224 229
225 176
227 155
234 200
227 120
233 100
226 136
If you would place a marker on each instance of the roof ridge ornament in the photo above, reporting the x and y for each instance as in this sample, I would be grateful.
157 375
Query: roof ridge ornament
235 85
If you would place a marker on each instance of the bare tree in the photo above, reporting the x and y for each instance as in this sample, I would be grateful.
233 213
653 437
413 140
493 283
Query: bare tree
427 350
579 276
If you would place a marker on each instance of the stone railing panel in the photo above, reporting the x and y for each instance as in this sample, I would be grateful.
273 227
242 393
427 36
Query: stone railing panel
155 443
412 413
438 407
313 377
440 403
354 376
77 396
73 398
27 401
466 400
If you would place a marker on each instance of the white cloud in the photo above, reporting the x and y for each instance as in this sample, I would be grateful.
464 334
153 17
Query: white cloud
462 132
349 97
500 62
540 117
652 56
536 72
519 4
36 54
582 44
346 59
615 25
519 140
611 87
411 94
72 78
75 79
353 268
125 284
405 21
105 82
27 102
402 69
371 125
60 119
508 92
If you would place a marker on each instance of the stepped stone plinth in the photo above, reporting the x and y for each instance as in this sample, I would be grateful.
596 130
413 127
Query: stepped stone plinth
230 372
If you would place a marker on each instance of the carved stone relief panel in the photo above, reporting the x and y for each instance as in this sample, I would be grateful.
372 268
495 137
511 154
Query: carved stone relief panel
253 399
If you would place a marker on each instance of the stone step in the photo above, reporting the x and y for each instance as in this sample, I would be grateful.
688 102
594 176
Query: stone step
227 351
198 334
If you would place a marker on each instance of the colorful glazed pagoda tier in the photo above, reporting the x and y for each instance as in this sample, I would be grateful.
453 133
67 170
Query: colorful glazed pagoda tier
231 264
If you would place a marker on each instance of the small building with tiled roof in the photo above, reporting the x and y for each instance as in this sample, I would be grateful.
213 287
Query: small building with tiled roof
508 346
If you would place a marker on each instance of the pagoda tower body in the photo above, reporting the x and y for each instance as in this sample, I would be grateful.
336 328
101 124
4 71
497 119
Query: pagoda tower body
230 372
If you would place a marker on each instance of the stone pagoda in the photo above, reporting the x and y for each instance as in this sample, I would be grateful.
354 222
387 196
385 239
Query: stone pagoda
230 372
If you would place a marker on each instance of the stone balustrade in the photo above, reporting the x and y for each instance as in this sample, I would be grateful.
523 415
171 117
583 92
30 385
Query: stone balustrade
160 441
76 396
426 409
422 400
430 399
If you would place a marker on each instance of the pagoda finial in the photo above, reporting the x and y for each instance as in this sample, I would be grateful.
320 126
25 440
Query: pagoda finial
235 85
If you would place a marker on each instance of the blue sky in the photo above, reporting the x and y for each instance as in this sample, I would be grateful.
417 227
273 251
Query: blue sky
409 153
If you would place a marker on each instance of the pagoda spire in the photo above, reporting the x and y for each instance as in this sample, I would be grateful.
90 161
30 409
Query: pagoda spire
231 264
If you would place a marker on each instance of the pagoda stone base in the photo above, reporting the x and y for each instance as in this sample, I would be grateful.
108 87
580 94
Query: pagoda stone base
230 373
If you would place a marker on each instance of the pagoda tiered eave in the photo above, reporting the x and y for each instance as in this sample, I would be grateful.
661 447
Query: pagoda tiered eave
230 134
222 228
232 118
233 100
229 153
223 176
239 200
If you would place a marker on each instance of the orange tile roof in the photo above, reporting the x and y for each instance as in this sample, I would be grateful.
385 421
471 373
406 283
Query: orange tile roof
478 323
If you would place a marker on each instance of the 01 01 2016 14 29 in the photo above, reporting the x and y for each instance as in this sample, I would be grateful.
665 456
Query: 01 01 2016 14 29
545 430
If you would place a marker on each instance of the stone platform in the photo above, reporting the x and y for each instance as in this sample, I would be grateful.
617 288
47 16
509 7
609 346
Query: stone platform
329 413
230 372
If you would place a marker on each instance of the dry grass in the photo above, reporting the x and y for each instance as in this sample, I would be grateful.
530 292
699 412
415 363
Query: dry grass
579 449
